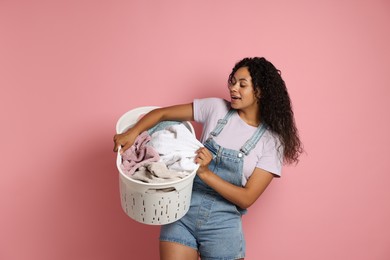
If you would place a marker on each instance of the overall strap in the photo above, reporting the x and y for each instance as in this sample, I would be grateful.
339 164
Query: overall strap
221 123
251 143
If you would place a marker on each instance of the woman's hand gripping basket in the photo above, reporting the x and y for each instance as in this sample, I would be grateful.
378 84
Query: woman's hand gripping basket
152 203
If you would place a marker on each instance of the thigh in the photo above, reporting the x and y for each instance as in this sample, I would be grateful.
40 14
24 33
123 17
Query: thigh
179 232
172 250
223 239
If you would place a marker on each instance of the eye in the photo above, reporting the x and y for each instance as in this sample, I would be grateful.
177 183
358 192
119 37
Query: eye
231 82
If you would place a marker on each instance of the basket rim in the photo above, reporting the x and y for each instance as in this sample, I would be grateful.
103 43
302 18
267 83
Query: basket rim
133 115
159 184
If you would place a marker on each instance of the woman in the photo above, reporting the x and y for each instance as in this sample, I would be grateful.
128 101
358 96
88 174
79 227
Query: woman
246 141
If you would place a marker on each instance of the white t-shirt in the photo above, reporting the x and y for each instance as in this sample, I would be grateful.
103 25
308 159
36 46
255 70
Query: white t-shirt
264 155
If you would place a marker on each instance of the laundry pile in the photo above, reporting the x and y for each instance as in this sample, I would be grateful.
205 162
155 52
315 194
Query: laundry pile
164 153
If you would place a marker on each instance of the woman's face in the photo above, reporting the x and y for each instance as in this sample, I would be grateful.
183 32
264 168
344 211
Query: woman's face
242 92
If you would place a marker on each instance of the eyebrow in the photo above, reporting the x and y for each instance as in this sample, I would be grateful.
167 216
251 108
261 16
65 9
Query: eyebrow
243 79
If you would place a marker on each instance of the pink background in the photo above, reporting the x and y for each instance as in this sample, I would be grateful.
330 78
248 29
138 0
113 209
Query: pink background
70 69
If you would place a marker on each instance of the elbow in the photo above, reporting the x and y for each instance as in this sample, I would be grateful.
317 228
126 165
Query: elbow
244 204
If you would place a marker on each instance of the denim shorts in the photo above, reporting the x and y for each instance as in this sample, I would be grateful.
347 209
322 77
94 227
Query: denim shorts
212 226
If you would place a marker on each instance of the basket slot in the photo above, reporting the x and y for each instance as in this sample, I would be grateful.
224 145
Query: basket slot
152 191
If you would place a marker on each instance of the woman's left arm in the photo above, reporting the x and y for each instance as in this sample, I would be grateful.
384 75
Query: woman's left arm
243 197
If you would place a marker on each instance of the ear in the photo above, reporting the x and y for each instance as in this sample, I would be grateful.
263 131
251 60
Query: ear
257 93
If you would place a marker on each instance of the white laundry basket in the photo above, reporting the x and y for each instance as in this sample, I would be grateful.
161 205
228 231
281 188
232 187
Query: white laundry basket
152 203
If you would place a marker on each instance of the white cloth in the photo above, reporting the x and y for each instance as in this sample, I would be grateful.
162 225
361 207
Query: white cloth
176 146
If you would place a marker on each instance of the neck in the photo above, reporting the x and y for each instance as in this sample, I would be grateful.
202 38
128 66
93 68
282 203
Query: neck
252 117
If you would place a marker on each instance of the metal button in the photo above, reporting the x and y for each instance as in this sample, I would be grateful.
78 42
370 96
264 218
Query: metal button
239 155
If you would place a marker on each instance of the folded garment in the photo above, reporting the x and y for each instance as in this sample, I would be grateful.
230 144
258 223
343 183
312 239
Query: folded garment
157 172
160 170
138 154
144 175
176 146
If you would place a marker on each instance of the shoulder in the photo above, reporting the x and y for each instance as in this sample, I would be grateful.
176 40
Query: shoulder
270 140
270 153
211 105
212 102
210 108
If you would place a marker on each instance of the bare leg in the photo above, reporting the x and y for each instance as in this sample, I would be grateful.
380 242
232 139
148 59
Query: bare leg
176 251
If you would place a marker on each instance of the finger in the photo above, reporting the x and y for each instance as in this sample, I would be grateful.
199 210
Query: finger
125 147
202 151
202 155
116 145
202 148
205 155
197 159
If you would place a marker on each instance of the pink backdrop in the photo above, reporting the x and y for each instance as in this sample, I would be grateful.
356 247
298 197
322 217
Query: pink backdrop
70 69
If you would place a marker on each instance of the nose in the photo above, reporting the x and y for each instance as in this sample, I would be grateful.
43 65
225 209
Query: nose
233 87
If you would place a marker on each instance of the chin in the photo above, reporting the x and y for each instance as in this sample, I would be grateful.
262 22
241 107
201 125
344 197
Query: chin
234 106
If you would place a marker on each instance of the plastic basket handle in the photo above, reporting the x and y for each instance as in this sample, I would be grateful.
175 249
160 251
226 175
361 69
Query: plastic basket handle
163 190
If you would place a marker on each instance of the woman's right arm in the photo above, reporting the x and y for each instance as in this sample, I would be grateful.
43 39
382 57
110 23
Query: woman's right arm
178 113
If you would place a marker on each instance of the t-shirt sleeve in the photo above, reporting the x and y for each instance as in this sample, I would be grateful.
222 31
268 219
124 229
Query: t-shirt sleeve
207 111
200 110
272 158
207 108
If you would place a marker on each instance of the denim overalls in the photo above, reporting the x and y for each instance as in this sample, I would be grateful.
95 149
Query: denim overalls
213 225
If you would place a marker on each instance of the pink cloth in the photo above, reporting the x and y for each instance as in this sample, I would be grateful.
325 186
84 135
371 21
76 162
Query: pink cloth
138 154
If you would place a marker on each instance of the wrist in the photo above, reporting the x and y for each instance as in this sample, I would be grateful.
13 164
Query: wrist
203 172
132 133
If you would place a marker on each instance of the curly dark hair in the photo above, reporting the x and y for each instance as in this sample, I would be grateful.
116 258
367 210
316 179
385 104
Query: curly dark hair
275 104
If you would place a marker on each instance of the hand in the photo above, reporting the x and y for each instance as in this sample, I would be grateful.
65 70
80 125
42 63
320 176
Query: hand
203 158
124 140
